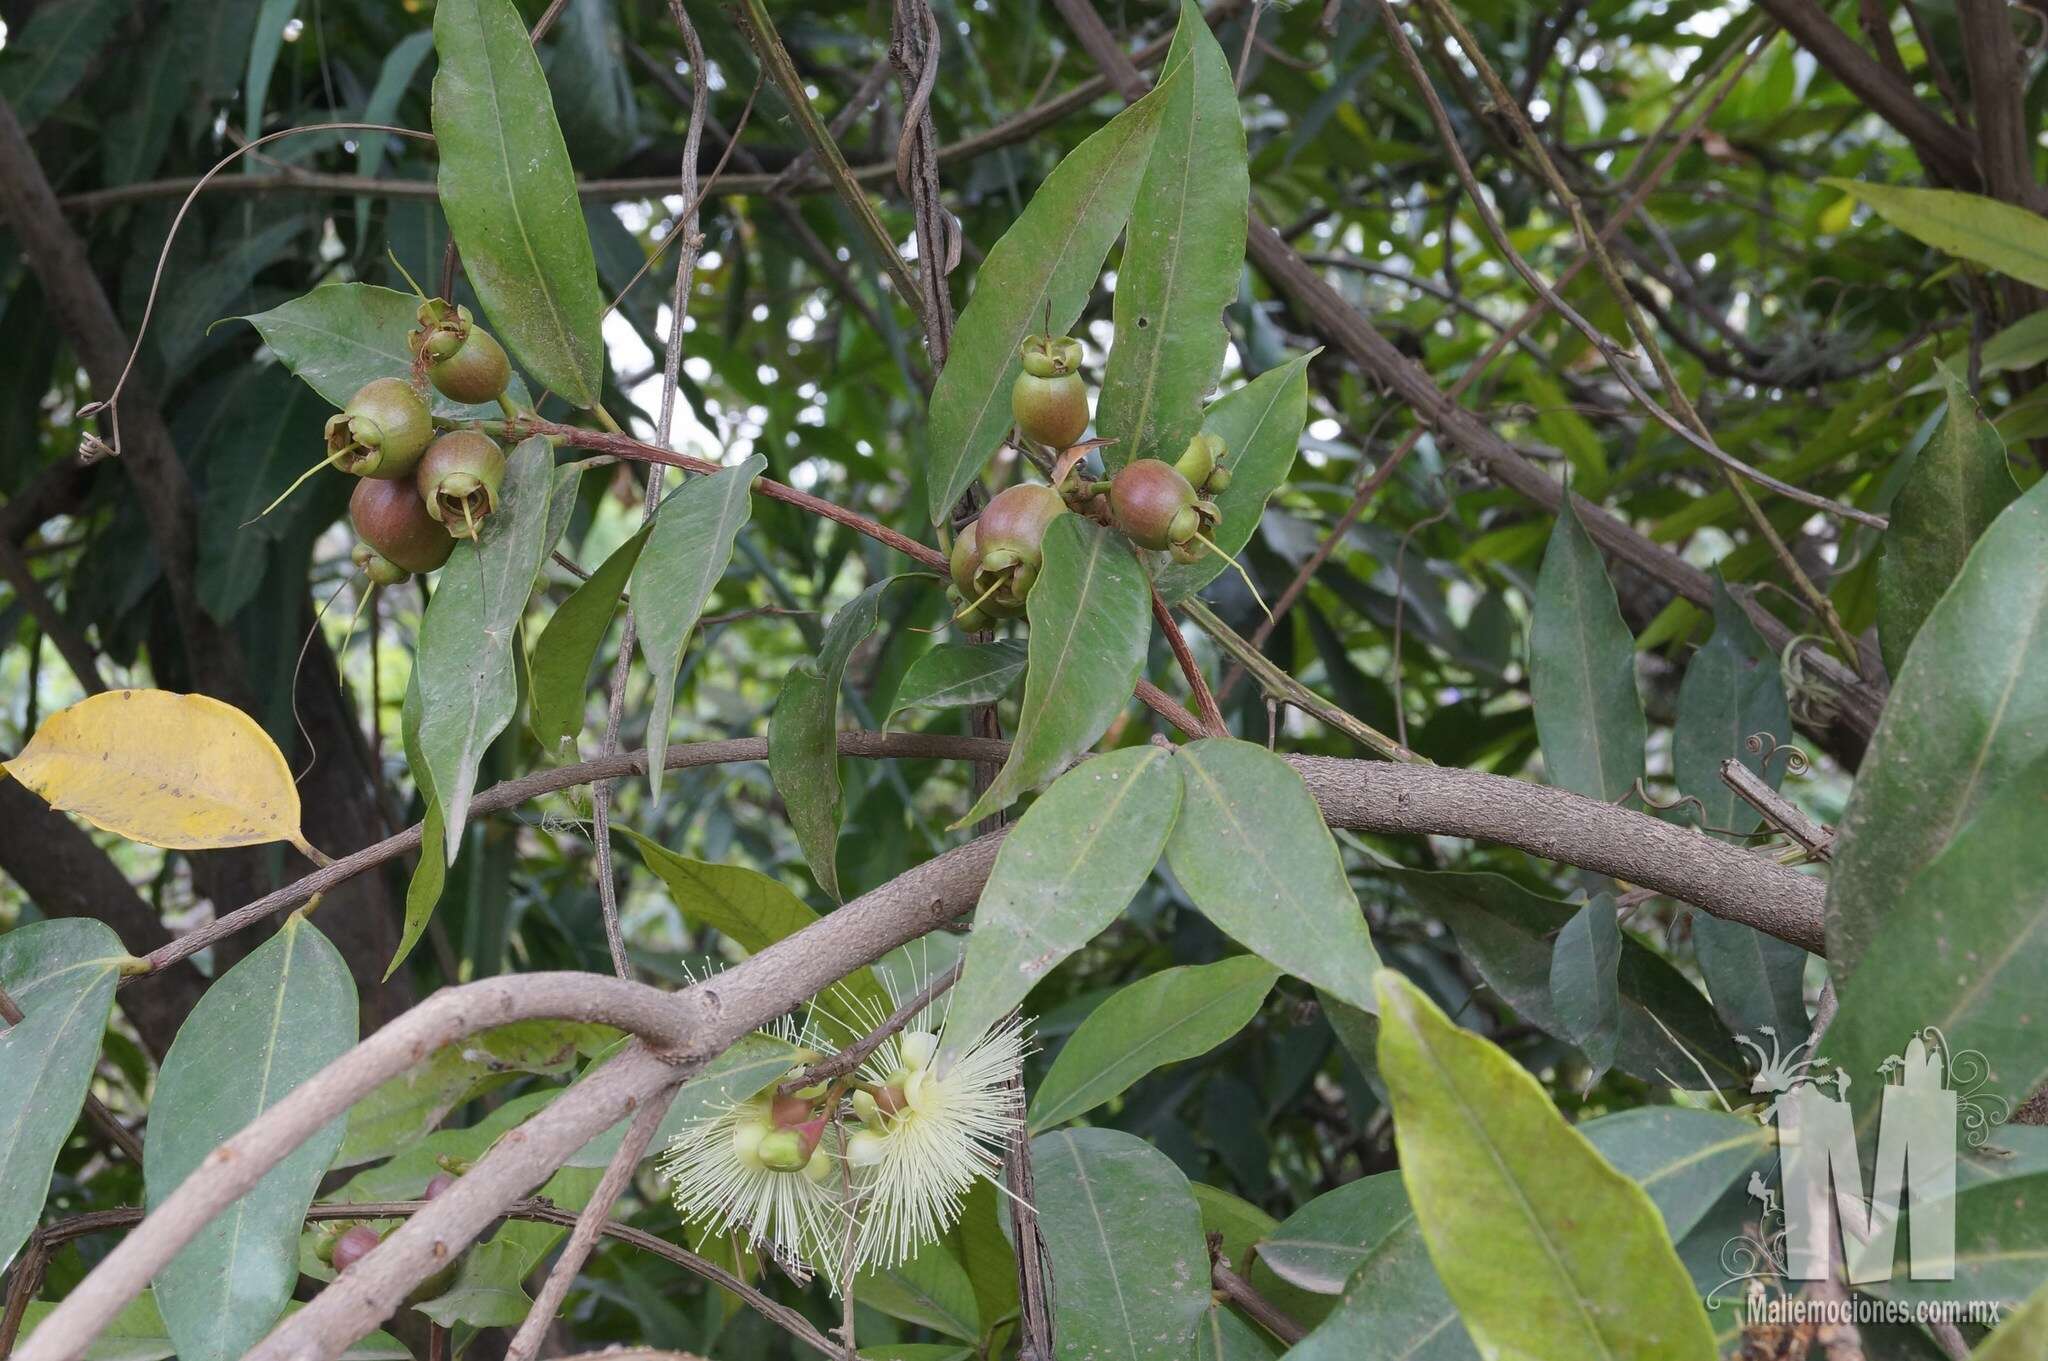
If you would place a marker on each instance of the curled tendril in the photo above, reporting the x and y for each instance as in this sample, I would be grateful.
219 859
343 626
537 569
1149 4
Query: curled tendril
1765 745
1812 697
1637 791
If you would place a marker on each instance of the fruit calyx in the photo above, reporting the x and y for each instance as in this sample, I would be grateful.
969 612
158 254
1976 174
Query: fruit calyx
458 480
381 432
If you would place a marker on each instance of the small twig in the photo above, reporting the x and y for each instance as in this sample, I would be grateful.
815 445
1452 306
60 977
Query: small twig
1205 702
21 1289
1245 1296
71 645
854 1055
1778 810
590 1224
95 1110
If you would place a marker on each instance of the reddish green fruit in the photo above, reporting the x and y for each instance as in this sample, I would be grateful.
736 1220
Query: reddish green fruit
458 479
1005 553
1202 463
441 1182
1154 505
393 523
355 1245
381 432
965 559
381 570
1049 401
465 362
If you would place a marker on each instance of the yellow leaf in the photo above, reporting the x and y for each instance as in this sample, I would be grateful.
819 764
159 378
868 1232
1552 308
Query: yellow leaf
184 772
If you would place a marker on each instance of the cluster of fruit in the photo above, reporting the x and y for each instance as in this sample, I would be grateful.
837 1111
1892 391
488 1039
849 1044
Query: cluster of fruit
420 492
341 1244
1165 507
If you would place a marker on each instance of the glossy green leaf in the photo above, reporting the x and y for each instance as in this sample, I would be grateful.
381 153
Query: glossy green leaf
1260 426
931 1290
412 1104
138 1333
47 56
1583 988
591 76
979 1241
1173 1015
1318 1246
340 336
61 974
1181 260
1066 871
1962 952
2021 1336
1731 692
1394 1304
567 646
2001 1247
265 1026
1543 1245
1582 671
1967 713
803 735
430 871
394 78
1957 486
1251 850
486 1291
1125 1239
956 675
509 193
1091 620
265 432
1223 1336
1983 230
468 661
1756 980
1506 932
1049 258
686 553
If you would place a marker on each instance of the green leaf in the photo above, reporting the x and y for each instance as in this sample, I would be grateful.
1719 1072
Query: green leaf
803 735
1962 952
2021 1336
430 872
1982 230
1505 931
1047 259
1561 425
1731 691
1173 1015
568 645
1223 1336
265 433
686 553
2001 1246
1251 850
138 1333
340 336
415 1102
1318 1246
1967 712
469 683
592 79
1067 869
1583 989
1957 486
1260 425
267 1025
931 1290
1394 1305
1582 671
1756 980
1091 620
1544 1246
44 61
979 1241
957 675
1182 257
1125 1239
509 193
755 912
486 1292
61 974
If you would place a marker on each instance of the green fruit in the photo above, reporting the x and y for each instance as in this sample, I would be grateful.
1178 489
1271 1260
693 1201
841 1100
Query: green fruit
458 479
381 432
1153 504
393 524
1049 401
381 570
1005 552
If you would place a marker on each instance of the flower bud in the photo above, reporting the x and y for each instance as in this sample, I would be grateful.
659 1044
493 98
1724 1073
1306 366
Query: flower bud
864 1148
917 1048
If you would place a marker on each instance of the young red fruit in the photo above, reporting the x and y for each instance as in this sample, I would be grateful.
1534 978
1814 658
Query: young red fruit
381 432
354 1245
458 479
1154 505
1049 401
441 1182
393 523
1006 551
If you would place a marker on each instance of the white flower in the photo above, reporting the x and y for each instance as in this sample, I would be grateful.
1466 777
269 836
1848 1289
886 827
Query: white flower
928 1134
